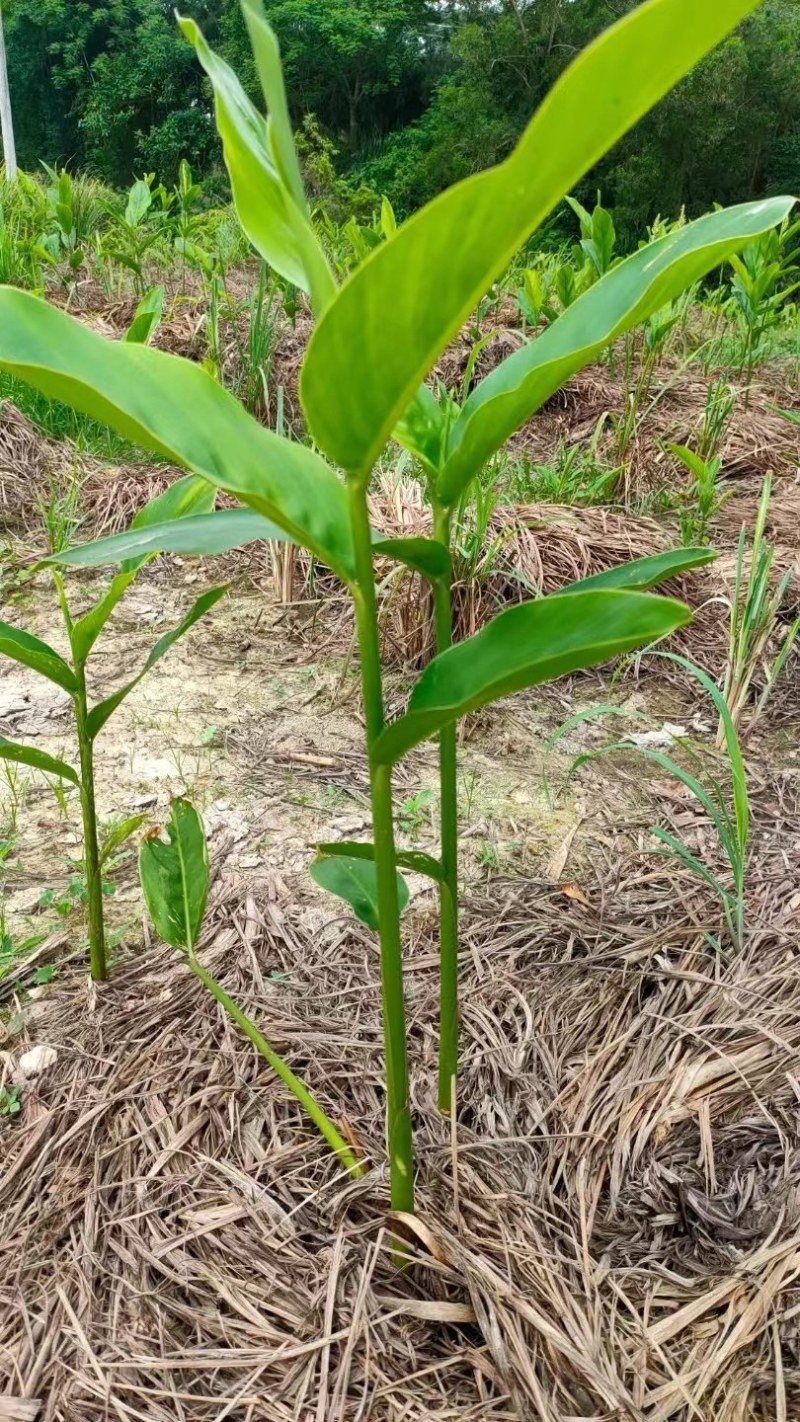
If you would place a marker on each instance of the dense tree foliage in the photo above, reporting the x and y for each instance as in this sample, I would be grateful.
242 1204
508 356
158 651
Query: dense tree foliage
412 94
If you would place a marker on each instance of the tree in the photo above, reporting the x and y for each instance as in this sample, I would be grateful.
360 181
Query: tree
357 64
6 121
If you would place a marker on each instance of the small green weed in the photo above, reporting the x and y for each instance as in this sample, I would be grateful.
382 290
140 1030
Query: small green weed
10 1100
415 812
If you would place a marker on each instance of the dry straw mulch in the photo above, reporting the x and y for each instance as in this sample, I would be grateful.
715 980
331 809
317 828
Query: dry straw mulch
613 1232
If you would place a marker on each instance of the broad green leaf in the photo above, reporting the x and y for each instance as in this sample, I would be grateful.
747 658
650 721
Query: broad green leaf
644 573
37 655
623 298
423 430
184 495
197 536
256 158
693 462
39 760
266 53
101 712
140 199
524 646
355 880
425 555
173 407
792 415
187 496
174 877
404 304
412 859
116 835
147 317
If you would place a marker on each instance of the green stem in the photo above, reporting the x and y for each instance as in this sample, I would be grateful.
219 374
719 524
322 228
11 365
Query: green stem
398 1111
91 850
321 1121
448 893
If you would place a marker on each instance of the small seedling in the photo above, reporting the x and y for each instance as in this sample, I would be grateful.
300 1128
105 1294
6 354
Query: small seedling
414 812
10 1100
12 951
755 622
174 874
727 807
705 498
186 496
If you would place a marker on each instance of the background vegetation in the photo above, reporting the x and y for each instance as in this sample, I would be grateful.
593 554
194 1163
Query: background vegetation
403 96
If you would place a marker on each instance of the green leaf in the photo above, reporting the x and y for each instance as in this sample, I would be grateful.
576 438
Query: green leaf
623 298
117 834
425 555
85 632
423 430
100 713
184 495
404 304
147 317
681 852
412 859
140 200
187 496
257 159
37 655
197 536
715 808
355 880
39 760
156 400
741 798
644 573
175 878
690 459
266 53
524 646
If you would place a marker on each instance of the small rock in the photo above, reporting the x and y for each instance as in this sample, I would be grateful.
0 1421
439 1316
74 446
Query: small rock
37 1060
666 737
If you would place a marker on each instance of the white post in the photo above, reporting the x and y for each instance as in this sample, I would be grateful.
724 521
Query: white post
6 124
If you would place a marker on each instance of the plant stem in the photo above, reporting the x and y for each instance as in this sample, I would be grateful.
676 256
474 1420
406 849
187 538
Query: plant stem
91 852
398 1111
298 1089
448 893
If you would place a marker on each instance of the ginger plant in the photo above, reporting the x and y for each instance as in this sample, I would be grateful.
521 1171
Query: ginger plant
88 720
377 337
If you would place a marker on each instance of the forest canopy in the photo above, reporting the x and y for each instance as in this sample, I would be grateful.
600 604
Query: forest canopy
400 97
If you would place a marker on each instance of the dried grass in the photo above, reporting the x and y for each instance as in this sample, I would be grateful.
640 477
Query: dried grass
532 549
624 1237
111 496
27 464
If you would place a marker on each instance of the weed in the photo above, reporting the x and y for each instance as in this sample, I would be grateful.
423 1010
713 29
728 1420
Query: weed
10 1100
704 498
82 634
727 806
415 812
754 625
